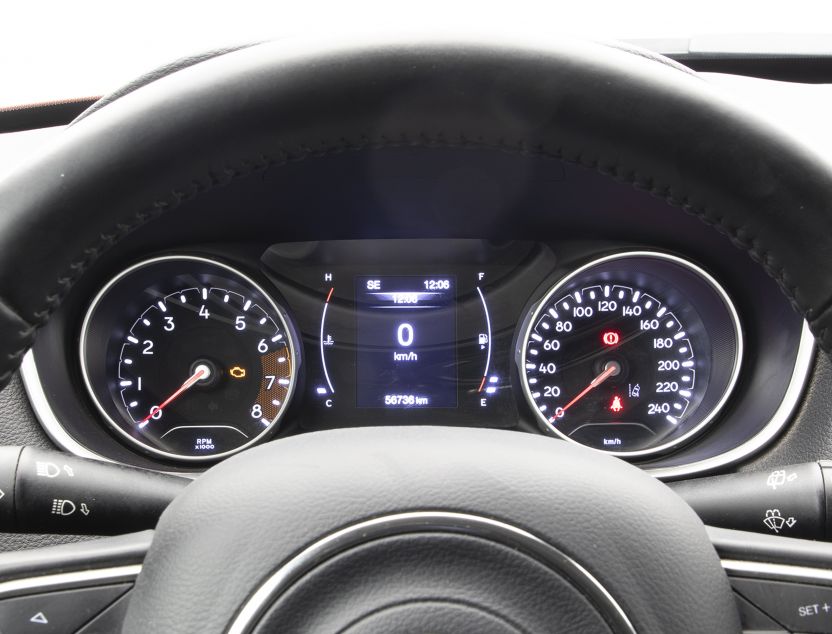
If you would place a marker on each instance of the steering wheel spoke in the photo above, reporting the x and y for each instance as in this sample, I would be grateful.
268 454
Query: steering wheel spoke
82 587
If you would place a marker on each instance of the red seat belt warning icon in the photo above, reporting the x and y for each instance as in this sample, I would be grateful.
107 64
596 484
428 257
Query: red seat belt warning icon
616 405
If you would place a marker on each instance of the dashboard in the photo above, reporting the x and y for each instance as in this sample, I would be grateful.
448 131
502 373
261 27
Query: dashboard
641 335
442 332
506 238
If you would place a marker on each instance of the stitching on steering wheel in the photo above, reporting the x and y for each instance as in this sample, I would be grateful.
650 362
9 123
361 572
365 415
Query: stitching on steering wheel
739 236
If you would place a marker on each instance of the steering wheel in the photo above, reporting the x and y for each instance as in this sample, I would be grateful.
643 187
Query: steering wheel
419 529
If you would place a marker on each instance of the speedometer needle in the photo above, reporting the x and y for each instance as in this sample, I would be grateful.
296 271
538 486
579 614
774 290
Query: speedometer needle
201 372
610 369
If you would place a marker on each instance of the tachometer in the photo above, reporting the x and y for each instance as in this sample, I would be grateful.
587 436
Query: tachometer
631 354
188 358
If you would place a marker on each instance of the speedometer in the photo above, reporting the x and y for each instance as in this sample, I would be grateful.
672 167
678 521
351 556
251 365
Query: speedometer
631 354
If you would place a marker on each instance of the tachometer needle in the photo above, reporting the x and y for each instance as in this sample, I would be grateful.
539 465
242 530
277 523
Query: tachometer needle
201 372
610 369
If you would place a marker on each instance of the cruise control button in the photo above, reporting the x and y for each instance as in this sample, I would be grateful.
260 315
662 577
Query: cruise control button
56 612
798 607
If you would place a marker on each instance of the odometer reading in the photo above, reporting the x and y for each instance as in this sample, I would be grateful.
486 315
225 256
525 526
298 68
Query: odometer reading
406 342
618 359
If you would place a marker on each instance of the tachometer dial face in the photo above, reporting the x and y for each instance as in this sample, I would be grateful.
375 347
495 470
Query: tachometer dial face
204 365
631 354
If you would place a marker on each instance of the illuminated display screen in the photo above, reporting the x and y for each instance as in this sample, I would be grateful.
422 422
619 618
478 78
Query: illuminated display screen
406 341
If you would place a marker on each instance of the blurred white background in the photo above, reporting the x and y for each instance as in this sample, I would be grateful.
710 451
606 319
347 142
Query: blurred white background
54 50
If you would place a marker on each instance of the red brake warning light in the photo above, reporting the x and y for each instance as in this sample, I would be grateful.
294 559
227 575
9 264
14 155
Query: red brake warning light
611 338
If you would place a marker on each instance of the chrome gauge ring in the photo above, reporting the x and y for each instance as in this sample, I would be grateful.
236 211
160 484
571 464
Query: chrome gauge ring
191 360
631 354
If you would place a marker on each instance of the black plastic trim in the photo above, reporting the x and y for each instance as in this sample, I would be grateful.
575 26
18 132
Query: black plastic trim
87 555
745 546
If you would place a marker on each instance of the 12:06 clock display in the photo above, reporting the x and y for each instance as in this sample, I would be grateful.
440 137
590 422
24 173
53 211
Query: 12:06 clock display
406 341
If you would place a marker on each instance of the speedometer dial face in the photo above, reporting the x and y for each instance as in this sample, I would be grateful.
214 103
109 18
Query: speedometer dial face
197 365
631 354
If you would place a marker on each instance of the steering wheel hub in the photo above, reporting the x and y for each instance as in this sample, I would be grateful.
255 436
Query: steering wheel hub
432 571
384 529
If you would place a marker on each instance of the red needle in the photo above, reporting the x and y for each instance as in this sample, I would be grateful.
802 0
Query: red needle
611 368
201 372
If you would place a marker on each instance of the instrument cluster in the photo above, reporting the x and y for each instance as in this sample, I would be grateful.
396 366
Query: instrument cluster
191 357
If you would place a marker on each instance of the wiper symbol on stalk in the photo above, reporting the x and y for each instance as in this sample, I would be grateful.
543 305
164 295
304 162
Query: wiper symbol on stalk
775 521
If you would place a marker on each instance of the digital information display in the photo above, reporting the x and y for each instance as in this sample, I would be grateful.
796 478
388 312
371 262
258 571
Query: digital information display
406 341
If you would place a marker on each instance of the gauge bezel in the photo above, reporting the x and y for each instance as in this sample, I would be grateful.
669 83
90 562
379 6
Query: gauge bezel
244 279
534 313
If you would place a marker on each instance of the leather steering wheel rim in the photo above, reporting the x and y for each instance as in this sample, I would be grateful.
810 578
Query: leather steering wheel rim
252 110
255 109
